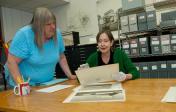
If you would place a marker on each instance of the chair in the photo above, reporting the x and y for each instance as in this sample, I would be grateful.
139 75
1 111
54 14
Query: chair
3 59
3 75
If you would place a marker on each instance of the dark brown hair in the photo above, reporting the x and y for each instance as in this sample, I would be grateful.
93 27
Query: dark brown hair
110 36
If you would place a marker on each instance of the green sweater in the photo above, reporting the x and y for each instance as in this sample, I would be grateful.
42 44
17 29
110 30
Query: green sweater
125 64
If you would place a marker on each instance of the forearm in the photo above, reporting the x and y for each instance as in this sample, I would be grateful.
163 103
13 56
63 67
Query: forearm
64 65
135 74
130 68
14 71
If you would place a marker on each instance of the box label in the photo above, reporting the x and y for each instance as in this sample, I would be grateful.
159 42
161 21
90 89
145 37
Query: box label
145 68
150 15
125 46
142 39
163 65
173 41
165 42
133 45
154 67
155 42
173 65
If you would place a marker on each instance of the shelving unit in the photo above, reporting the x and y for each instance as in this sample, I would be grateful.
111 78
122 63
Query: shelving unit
156 31
150 63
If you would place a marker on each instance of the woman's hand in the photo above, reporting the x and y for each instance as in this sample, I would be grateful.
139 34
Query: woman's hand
72 77
121 77
128 76
83 66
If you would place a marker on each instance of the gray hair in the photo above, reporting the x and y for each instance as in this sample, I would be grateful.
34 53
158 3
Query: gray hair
41 17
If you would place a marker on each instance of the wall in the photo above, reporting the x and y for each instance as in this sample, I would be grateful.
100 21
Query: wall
78 15
12 20
69 17
105 5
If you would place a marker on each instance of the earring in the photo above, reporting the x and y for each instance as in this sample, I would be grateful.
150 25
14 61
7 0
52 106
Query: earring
98 48
112 48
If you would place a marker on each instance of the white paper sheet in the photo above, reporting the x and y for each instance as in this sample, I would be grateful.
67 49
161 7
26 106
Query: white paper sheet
98 92
97 74
170 96
96 96
99 87
53 88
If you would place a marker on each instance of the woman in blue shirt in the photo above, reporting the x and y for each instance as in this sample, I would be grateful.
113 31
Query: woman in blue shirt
35 51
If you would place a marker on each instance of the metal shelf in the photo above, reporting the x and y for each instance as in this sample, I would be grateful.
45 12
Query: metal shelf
139 33
163 3
153 57
132 11
157 5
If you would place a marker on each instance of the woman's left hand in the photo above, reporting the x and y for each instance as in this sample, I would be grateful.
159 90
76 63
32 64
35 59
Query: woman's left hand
121 77
128 76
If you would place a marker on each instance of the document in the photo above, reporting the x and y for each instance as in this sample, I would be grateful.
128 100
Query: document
99 86
97 74
54 88
54 81
104 92
170 96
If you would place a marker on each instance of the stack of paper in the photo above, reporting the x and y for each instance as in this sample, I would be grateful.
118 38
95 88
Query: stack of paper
99 92
170 96
93 89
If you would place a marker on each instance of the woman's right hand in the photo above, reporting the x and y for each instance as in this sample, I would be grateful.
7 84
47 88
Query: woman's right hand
83 66
72 77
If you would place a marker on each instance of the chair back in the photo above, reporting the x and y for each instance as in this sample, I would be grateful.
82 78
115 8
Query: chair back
2 73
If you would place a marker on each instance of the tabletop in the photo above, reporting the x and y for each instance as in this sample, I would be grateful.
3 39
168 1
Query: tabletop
142 95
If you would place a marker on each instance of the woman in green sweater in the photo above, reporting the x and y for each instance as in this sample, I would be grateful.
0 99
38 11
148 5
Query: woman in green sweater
108 54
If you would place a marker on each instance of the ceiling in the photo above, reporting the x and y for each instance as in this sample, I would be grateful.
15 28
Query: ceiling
30 5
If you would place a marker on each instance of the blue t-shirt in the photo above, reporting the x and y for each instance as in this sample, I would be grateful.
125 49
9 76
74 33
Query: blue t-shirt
37 64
